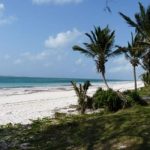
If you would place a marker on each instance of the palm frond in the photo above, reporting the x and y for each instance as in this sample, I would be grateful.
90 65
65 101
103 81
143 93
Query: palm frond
94 36
76 89
120 50
128 20
82 50
127 56
90 37
86 85
142 10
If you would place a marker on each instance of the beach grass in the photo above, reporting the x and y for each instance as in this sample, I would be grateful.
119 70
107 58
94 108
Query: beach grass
128 129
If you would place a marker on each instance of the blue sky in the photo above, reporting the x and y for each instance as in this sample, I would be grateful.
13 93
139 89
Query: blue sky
37 36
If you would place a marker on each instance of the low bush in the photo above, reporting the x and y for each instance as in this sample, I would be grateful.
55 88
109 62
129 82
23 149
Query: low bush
146 78
134 97
107 99
98 99
89 103
59 115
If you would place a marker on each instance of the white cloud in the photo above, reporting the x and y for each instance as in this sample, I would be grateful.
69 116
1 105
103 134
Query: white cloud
79 61
56 51
120 64
41 55
62 39
6 57
18 61
74 70
59 57
38 56
120 60
26 54
5 19
2 8
48 65
94 69
57 2
122 68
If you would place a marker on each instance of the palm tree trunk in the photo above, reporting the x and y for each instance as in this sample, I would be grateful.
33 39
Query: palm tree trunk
134 73
103 75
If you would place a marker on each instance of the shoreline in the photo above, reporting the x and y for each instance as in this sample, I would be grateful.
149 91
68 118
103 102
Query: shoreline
20 105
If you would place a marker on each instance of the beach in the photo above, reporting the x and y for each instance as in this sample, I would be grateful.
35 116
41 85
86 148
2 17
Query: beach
22 105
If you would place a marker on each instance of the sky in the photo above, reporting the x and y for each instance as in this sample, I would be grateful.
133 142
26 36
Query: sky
36 37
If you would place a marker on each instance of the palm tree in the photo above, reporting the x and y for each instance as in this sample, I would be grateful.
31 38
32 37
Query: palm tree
133 52
142 26
141 23
99 48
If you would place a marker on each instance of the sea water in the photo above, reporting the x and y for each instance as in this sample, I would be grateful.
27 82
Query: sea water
18 82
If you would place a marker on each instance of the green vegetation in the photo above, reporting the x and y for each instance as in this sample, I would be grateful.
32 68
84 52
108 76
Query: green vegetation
81 92
108 99
135 98
145 91
127 128
146 78
146 63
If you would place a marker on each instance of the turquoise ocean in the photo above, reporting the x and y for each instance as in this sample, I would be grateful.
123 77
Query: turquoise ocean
18 82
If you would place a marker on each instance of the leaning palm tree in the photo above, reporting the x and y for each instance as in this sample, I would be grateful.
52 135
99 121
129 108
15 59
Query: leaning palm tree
133 52
99 48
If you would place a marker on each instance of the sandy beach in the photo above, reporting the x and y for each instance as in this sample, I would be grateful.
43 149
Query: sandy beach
21 105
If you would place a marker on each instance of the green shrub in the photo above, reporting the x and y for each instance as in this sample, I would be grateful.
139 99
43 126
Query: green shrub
81 92
59 115
146 78
134 97
99 99
89 103
108 99
129 98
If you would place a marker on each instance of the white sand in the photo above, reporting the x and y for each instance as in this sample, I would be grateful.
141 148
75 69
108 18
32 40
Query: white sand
19 105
